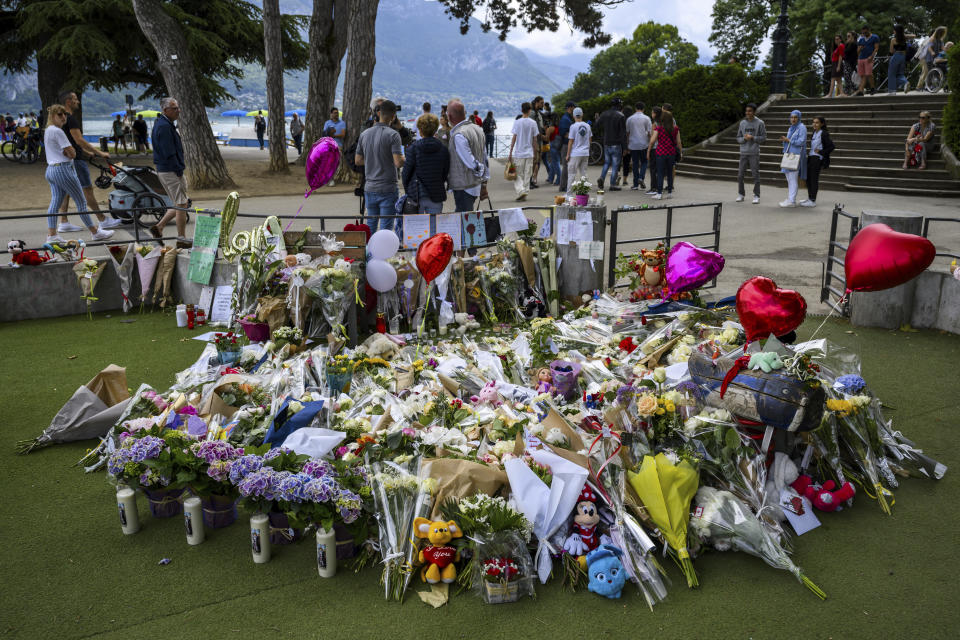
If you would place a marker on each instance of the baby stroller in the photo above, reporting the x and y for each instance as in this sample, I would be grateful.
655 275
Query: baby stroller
139 196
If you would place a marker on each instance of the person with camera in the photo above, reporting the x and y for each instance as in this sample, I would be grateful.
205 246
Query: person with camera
380 153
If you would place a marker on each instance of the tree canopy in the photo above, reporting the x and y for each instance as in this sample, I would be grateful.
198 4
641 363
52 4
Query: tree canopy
654 51
534 15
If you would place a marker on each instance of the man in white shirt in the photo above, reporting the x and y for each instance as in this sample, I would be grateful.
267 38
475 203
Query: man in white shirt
416 131
469 168
638 138
578 149
525 134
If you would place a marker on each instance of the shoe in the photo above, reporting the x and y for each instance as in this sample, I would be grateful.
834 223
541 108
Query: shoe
740 197
668 195
102 234
756 199
66 227
600 183
634 188
534 185
110 223
614 188
521 197
184 243
52 239
808 203
658 196
786 204
156 233
652 192
642 185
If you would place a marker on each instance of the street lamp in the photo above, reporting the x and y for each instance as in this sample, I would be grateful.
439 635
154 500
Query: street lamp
781 37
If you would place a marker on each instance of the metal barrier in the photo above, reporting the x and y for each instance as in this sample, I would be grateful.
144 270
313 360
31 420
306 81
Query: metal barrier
668 237
926 232
829 275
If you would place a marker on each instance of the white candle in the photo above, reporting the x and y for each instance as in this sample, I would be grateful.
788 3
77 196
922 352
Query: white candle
181 315
443 330
127 506
193 520
260 537
326 553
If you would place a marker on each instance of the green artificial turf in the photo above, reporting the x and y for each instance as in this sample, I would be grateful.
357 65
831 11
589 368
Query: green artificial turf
67 571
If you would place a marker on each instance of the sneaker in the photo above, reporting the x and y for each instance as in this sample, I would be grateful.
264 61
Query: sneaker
110 223
614 188
740 198
787 203
658 196
600 183
66 227
668 195
184 243
756 199
808 203
534 185
642 185
634 188
52 239
102 234
652 192
521 197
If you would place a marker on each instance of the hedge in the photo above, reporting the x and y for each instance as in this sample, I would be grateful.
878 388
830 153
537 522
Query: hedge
705 100
951 113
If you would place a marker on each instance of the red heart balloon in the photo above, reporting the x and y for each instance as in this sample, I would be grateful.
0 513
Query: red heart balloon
765 309
433 255
879 258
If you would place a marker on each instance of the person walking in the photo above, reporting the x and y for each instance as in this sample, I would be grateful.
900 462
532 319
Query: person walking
655 114
62 176
614 133
928 52
84 150
140 130
920 135
490 138
639 127
836 68
821 146
426 169
750 134
563 134
380 152
296 132
897 67
260 126
526 136
665 145
118 136
578 147
168 158
867 46
537 117
552 161
795 142
469 167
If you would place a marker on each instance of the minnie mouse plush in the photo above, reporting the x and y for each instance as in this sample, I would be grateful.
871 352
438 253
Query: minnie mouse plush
20 255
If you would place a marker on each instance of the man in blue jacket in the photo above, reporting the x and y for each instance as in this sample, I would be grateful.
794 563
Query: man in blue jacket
563 131
168 157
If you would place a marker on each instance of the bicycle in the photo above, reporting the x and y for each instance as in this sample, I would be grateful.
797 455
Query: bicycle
24 149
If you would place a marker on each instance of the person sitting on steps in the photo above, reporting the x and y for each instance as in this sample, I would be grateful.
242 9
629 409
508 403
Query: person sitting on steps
920 134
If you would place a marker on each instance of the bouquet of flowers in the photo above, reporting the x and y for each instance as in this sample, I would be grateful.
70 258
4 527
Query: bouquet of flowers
122 258
287 335
155 460
400 496
147 258
331 286
88 272
724 522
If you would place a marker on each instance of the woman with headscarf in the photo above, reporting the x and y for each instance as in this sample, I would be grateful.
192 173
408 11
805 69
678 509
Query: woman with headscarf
794 142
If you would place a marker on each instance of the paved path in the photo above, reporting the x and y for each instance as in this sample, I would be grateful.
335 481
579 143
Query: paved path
788 245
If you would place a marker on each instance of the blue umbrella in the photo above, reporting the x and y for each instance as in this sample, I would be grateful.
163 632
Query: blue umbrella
234 112
299 112
118 113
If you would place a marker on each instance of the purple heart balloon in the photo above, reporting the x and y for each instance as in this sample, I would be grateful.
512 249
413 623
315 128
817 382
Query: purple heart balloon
689 266
322 163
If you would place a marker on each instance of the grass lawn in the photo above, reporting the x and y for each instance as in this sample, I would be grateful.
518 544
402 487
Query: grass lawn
68 571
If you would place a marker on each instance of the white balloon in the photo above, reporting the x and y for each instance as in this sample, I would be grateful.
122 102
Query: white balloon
383 244
381 275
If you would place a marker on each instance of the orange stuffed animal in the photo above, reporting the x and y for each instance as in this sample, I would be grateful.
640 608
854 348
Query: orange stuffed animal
439 555
651 271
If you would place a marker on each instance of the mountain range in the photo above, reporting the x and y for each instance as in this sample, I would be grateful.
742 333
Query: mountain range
421 57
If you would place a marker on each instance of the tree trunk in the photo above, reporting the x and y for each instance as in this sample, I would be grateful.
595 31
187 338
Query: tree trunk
51 80
273 51
361 58
205 166
328 43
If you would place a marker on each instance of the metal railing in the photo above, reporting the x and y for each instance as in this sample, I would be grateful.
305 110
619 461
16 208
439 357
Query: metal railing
926 234
668 236
833 261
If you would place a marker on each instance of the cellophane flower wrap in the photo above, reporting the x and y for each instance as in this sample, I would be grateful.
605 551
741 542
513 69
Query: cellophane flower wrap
400 495
333 286
724 522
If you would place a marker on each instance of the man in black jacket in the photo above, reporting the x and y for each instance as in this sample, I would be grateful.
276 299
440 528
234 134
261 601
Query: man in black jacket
614 127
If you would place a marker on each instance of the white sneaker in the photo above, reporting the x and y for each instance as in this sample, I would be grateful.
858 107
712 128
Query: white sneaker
658 196
110 223
66 227
652 192
102 234
756 199
667 195
739 198
51 239
808 203
787 203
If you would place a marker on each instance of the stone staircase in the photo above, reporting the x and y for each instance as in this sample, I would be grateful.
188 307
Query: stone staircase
869 133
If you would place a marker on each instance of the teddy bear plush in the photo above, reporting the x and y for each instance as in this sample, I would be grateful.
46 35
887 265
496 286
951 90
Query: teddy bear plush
439 556
488 395
651 271
825 497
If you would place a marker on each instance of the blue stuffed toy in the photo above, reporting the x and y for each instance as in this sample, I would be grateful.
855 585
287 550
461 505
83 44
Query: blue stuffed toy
606 572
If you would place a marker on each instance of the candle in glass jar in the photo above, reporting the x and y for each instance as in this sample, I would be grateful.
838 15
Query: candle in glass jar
127 507
326 553
193 520
260 537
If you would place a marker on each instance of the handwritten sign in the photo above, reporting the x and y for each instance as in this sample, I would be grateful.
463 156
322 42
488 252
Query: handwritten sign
206 237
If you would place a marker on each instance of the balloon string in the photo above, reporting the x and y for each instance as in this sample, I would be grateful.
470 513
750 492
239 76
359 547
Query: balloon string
835 307
287 228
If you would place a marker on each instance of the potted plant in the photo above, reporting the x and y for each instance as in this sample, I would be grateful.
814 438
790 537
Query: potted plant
581 189
153 460
228 347
210 466
255 330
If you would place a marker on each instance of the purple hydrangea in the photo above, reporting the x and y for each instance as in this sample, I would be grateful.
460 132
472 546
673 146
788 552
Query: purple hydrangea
242 467
349 505
273 453
256 484
146 448
851 383
316 468
117 460
320 490
291 488
150 478
213 450
219 470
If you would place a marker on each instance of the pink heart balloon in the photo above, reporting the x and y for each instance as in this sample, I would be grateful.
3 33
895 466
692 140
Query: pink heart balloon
322 163
689 266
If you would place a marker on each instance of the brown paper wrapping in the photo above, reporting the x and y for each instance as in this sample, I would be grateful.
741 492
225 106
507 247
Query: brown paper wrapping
462 479
525 252
163 284
554 419
404 379
273 311
214 405
110 385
